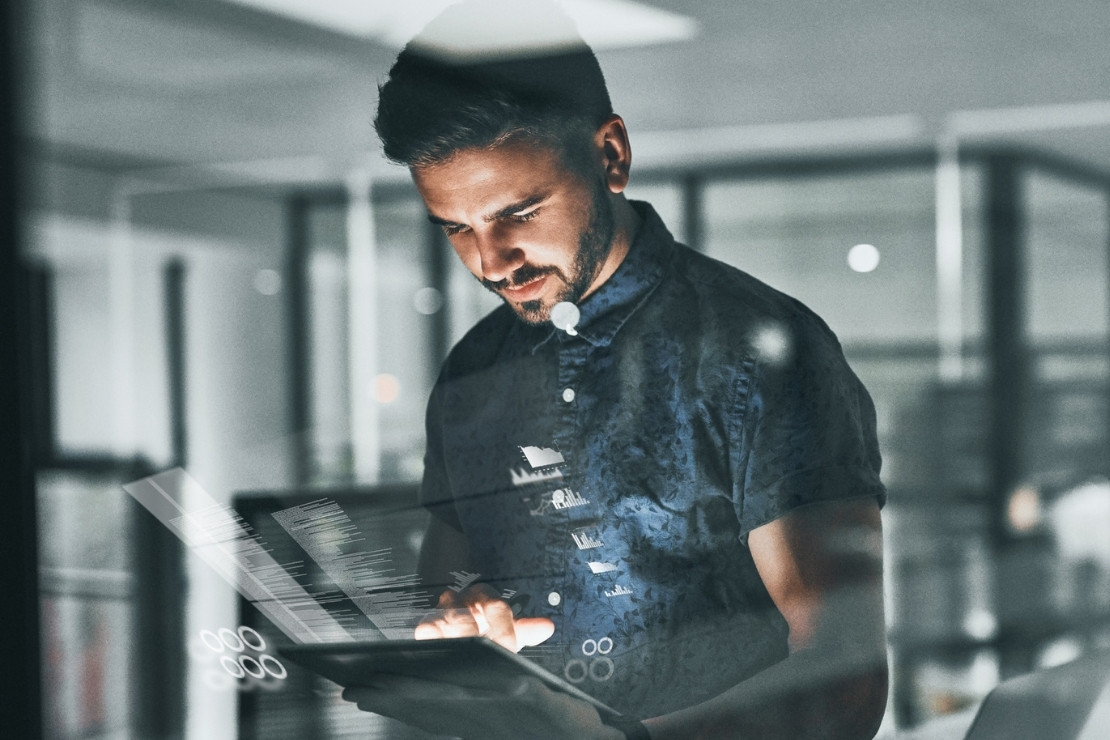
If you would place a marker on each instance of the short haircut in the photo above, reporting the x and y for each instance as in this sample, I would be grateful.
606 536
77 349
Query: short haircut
433 105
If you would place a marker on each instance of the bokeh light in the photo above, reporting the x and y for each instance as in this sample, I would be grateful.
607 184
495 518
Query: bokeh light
772 343
863 257
267 282
427 301
1024 509
386 388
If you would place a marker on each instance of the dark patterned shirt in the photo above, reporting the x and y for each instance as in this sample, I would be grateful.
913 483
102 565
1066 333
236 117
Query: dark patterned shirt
609 480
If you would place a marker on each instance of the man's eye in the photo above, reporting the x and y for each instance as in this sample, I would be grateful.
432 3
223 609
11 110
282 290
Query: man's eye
452 229
528 216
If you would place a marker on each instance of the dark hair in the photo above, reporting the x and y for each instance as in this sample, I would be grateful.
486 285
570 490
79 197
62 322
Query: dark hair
433 105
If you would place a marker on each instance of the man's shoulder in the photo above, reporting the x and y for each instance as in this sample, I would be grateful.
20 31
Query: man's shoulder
732 299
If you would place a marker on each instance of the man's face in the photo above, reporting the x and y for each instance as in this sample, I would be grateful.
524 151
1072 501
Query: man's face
530 229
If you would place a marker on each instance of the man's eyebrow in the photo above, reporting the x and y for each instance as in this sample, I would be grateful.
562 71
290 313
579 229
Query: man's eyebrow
440 221
514 208
506 212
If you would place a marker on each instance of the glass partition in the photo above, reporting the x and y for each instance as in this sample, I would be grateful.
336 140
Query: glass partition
405 306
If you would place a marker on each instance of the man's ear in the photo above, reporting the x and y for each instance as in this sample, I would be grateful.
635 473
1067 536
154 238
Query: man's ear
611 142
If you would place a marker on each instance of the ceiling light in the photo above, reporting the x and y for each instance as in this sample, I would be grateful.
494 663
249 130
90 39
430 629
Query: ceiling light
604 24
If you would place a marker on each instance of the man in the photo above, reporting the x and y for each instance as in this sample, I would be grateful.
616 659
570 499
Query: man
672 499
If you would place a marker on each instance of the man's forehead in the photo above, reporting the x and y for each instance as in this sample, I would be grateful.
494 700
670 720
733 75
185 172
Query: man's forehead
514 152
491 179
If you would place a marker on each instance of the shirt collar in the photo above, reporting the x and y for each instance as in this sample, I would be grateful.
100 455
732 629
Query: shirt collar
605 311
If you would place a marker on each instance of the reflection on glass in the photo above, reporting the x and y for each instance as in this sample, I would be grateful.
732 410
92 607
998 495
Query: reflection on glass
406 306
85 607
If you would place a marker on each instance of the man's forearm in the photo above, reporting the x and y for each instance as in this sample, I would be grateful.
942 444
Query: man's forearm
814 693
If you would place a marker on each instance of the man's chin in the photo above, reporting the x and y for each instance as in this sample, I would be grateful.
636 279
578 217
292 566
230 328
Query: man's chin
531 312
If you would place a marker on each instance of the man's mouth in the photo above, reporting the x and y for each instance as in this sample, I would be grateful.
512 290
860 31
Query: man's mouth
526 291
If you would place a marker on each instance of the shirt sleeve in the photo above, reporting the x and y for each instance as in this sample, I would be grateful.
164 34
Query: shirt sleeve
808 426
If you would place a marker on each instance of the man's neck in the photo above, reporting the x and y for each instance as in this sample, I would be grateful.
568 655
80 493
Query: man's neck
627 225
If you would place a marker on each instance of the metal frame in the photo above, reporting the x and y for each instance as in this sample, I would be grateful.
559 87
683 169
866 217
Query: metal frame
20 693
173 281
298 340
1007 354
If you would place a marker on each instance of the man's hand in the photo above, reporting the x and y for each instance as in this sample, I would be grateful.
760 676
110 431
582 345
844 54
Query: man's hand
478 610
469 705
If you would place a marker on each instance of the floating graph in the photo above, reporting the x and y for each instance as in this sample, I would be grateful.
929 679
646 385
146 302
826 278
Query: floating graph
463 580
564 498
521 477
584 541
540 504
541 457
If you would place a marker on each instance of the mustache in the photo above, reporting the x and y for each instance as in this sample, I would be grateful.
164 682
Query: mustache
520 276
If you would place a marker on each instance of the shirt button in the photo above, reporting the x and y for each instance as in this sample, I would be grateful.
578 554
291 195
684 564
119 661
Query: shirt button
568 394
554 598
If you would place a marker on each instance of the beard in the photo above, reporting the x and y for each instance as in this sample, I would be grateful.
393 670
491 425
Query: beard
594 244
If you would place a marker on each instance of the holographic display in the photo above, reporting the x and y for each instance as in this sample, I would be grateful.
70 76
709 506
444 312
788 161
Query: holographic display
521 477
584 540
330 586
240 654
463 580
541 457
327 534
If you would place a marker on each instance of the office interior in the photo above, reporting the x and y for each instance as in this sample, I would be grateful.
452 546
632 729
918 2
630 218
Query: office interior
224 276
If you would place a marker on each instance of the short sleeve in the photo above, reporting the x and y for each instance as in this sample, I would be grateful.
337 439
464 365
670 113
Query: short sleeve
808 427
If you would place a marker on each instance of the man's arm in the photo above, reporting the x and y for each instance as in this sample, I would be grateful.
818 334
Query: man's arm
822 566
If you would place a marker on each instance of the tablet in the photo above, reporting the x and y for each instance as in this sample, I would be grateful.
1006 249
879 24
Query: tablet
449 660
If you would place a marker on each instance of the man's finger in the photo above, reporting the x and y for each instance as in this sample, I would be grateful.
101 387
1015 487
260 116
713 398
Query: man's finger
533 630
428 631
459 628
498 619
479 610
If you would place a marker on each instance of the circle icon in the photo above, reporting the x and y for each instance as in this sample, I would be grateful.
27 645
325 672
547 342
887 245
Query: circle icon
602 669
252 667
576 670
251 638
212 641
231 639
232 666
277 671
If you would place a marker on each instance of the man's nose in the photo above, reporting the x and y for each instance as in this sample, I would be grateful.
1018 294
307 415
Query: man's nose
499 255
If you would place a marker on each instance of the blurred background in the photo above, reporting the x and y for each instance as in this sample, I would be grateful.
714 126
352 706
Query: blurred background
223 274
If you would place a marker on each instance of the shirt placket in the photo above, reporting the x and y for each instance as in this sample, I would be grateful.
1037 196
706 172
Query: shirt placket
580 540
571 355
